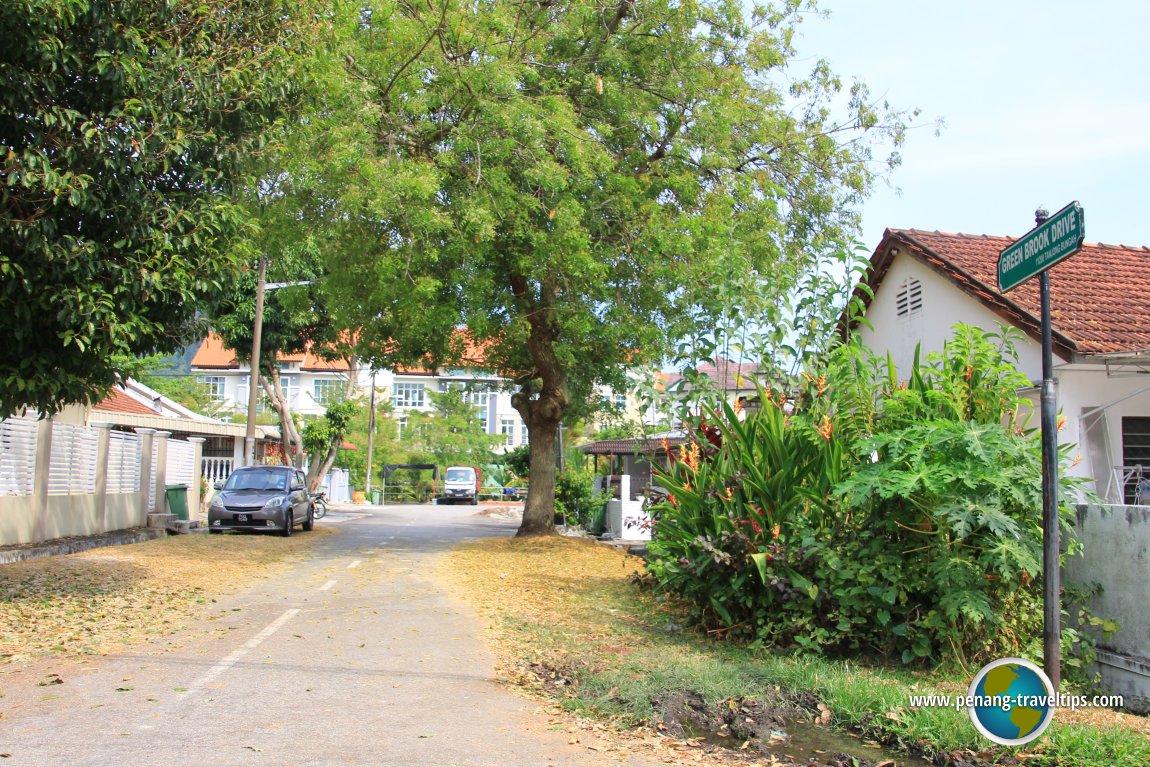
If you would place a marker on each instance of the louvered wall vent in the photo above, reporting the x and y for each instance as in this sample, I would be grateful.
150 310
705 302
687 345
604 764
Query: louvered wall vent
908 302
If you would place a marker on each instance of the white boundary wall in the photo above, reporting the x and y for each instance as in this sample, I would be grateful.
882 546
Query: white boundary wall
60 479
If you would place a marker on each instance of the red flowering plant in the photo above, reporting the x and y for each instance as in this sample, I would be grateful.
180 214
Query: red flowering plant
741 495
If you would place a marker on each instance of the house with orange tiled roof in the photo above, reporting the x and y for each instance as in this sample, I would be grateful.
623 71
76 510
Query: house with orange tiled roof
920 284
310 381
923 283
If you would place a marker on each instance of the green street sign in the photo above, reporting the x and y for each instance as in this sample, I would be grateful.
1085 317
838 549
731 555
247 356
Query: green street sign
1055 239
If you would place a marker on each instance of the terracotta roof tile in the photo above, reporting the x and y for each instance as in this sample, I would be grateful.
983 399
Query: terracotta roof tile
212 354
726 374
119 402
634 446
1099 296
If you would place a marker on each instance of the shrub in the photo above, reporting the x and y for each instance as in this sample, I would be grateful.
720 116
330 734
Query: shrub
575 498
865 514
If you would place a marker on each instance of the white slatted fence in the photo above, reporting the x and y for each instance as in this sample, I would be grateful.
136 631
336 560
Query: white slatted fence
72 467
123 462
181 468
18 455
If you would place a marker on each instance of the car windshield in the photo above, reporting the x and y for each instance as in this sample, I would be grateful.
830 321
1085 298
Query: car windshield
460 475
257 479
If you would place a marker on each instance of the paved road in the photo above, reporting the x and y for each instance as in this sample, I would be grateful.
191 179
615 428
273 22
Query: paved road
355 657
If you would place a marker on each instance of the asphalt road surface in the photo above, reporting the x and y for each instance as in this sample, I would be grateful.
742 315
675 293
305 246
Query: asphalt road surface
354 657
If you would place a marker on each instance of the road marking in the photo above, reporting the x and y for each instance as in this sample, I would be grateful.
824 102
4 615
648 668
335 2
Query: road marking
236 655
327 586
355 564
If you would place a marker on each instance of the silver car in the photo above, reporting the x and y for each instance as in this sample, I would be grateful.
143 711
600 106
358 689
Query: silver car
262 498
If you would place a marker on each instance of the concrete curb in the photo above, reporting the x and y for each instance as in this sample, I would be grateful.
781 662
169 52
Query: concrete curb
74 545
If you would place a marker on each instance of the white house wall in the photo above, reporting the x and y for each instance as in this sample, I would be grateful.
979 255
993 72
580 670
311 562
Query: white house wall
498 408
1079 387
943 306
1081 391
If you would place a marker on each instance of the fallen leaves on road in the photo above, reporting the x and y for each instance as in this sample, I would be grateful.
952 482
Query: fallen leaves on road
99 600
559 581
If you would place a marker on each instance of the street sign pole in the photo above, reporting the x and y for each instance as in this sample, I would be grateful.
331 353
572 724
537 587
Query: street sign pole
1053 239
1051 544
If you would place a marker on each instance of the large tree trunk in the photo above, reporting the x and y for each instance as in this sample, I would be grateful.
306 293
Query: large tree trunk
542 401
539 510
320 466
292 441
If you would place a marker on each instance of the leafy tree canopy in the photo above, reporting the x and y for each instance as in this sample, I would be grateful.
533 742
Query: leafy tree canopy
451 434
579 184
126 130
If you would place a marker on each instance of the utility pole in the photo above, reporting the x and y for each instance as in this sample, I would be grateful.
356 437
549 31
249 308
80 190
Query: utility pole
254 377
370 435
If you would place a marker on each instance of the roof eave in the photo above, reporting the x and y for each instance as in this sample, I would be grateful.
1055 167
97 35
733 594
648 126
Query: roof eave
1008 310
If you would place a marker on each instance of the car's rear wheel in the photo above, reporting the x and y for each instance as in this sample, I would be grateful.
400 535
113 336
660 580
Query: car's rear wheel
289 523
309 523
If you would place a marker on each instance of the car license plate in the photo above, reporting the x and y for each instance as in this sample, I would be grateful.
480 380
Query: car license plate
241 517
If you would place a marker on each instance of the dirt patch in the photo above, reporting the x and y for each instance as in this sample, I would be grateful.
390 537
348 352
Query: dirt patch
501 511
688 714
96 601
759 729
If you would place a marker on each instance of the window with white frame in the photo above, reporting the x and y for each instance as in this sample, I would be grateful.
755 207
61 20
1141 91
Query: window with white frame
407 395
522 434
262 403
621 401
214 385
400 425
476 393
507 429
326 390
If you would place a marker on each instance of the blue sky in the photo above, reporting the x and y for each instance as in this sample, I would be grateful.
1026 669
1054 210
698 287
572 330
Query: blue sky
1042 103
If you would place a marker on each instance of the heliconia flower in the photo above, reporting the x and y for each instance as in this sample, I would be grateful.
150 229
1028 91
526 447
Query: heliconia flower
822 384
775 531
693 459
827 428
1061 422
1077 460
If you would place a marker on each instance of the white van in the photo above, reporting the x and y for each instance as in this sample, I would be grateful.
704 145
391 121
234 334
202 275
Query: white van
461 484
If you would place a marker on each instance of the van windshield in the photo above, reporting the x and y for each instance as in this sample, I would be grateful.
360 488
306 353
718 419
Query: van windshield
460 475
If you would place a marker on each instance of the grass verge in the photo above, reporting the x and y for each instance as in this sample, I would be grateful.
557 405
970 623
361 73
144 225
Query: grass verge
99 600
566 619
